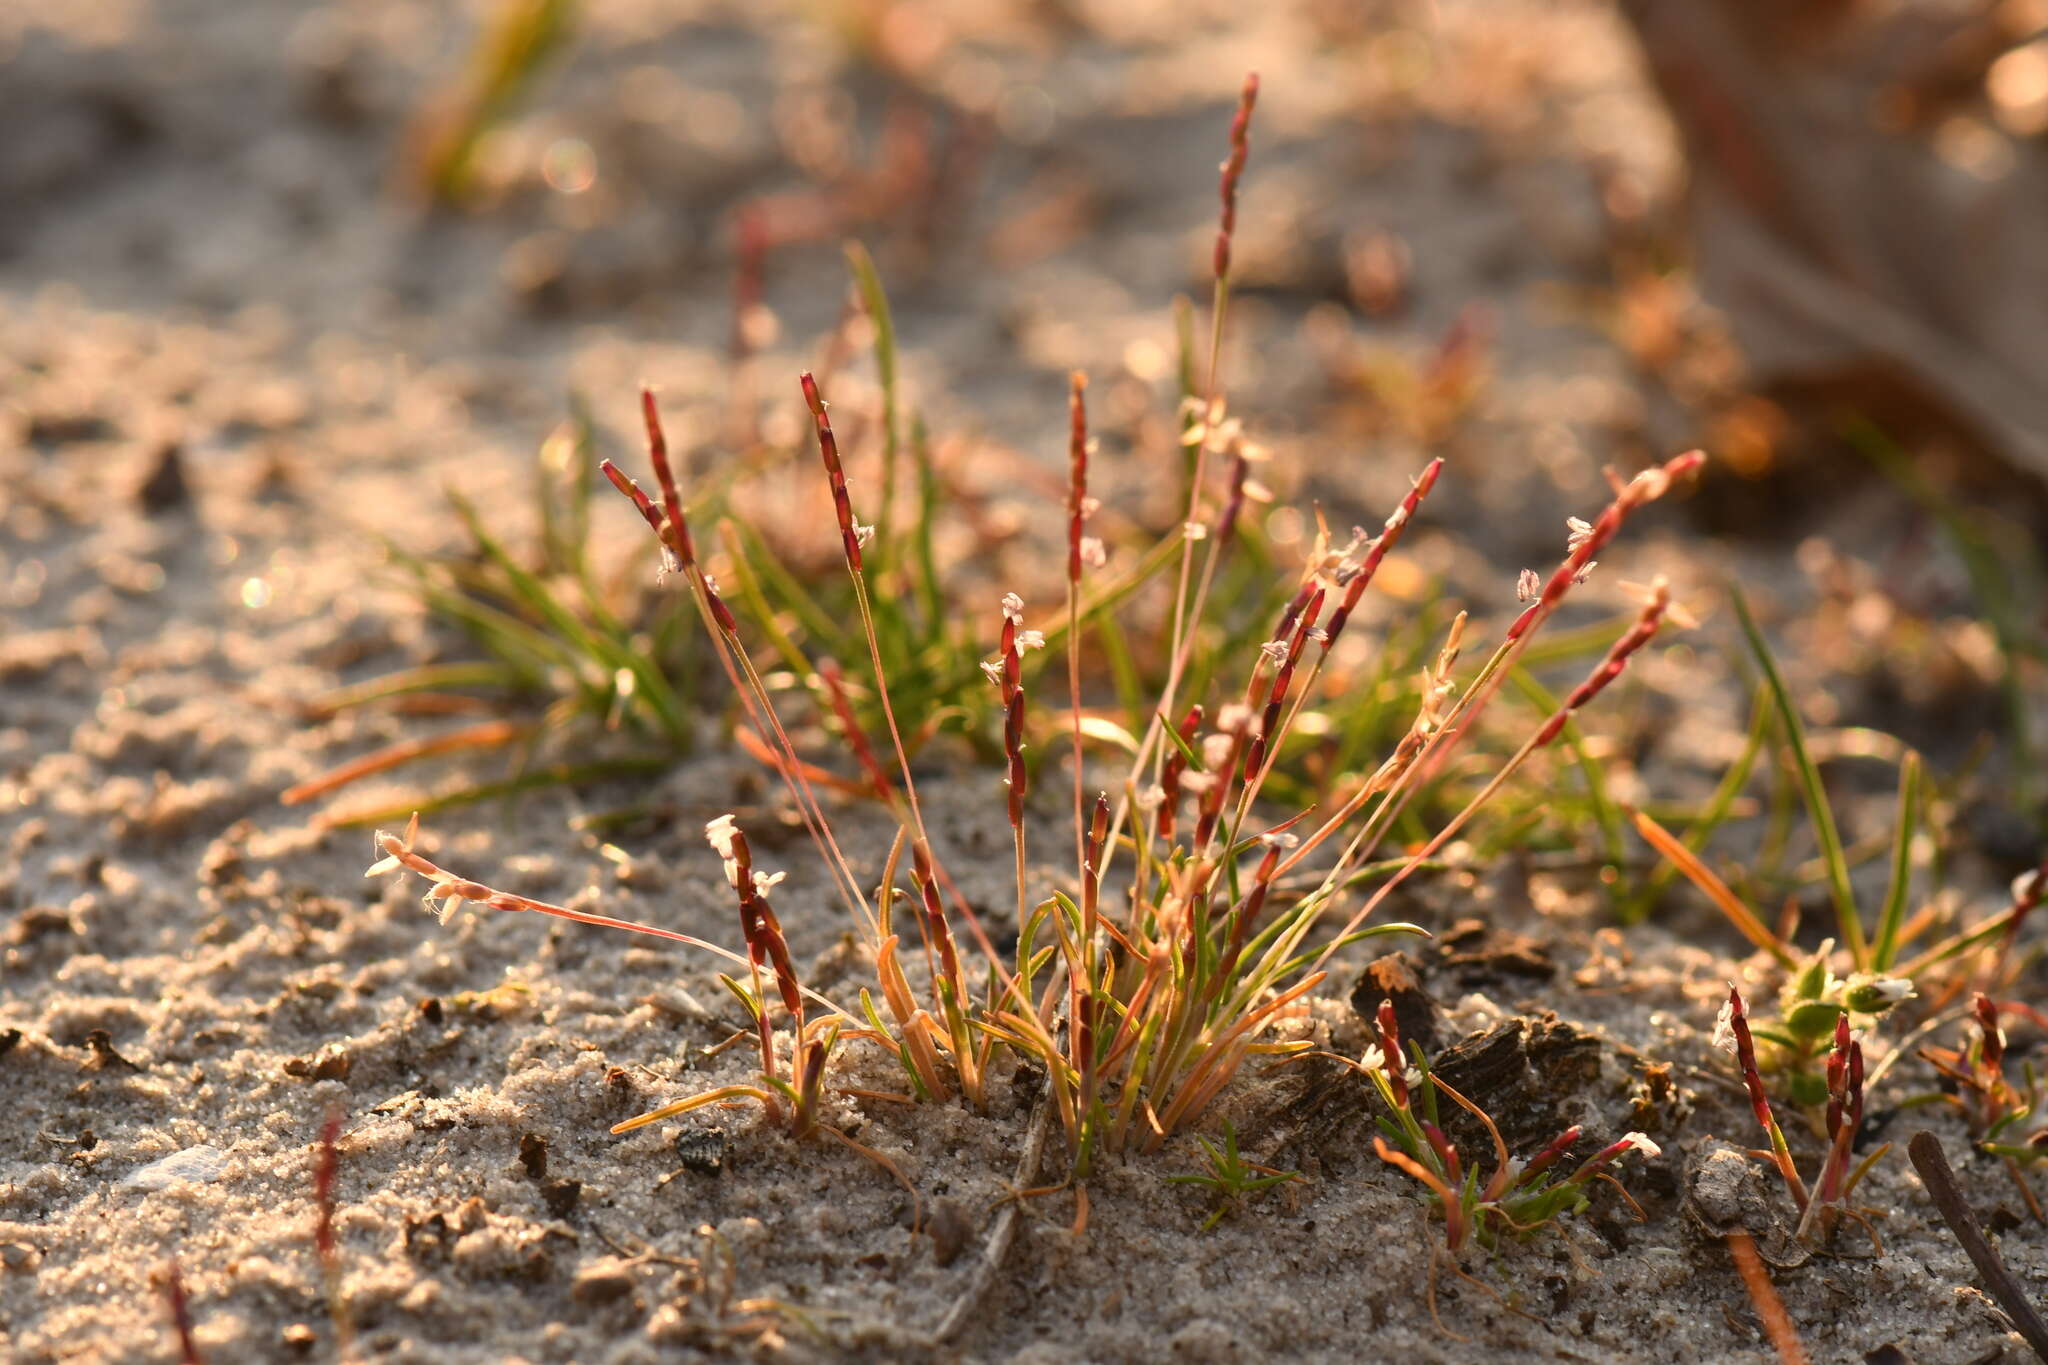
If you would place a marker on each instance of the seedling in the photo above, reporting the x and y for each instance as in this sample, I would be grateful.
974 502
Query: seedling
1230 1177
172 1282
1866 970
1519 1198
326 1167
1999 1113
1826 1203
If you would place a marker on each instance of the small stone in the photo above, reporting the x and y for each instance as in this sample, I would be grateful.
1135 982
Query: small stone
300 1337
533 1155
165 488
561 1196
19 1256
601 1282
328 1064
951 1228
104 1058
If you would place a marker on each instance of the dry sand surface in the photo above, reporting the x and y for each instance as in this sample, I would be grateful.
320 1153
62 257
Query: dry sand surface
233 362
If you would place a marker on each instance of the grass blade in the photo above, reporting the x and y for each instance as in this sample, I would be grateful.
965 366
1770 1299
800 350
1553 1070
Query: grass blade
1887 946
1834 861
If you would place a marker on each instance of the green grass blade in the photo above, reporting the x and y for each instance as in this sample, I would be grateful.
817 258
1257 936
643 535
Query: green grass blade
427 678
1894 914
931 599
876 304
1834 860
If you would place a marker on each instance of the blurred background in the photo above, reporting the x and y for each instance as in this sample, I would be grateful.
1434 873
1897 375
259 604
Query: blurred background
315 316
334 255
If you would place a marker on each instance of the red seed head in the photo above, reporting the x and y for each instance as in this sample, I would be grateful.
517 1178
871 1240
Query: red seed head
1233 169
1077 481
1390 536
664 476
850 531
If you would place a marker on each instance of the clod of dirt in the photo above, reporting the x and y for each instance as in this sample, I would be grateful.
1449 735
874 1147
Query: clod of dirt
561 1196
1725 1192
37 921
951 1228
328 1064
104 1058
606 1281
1393 978
165 489
63 428
533 1155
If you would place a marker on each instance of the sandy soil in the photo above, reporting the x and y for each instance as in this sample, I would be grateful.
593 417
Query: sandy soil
203 268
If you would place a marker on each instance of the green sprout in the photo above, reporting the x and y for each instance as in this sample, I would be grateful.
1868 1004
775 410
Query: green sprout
1232 1178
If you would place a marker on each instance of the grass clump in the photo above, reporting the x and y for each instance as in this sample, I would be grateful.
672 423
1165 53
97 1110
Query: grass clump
1186 932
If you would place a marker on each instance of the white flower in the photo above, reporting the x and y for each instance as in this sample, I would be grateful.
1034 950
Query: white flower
1586 572
1642 1144
1372 1059
1194 530
1013 608
1279 839
1152 797
719 833
765 882
994 670
1724 1028
1028 640
1215 751
1581 532
1092 553
1892 989
1276 650
2027 886
1527 586
862 535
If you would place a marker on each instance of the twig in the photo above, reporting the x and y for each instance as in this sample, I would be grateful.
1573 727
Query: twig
1932 1163
997 1248
1770 1309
